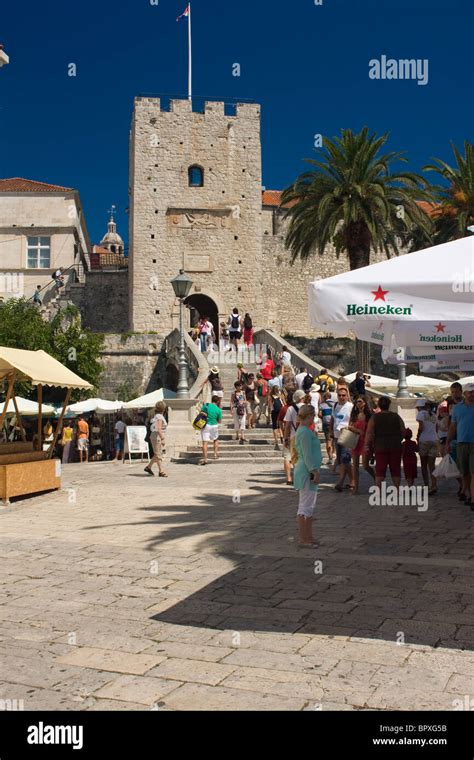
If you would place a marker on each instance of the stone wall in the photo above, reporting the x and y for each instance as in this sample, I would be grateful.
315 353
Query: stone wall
102 301
285 293
131 363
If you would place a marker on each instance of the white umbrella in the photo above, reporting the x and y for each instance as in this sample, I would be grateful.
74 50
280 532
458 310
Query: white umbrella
466 380
27 407
145 402
95 405
419 287
419 381
376 381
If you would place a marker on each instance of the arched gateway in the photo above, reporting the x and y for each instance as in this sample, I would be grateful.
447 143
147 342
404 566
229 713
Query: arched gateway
203 306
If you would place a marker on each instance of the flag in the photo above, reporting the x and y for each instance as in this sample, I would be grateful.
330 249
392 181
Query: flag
184 15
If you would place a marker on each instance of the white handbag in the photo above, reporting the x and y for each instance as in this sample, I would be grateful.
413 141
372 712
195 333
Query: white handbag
348 439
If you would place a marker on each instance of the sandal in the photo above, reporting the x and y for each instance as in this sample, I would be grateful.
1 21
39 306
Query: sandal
149 471
339 488
201 464
162 475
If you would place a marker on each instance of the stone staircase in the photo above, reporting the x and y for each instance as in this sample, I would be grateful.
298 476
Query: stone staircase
259 446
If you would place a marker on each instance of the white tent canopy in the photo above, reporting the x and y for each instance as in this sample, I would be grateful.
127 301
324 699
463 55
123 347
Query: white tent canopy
418 381
429 287
27 407
95 405
145 402
376 381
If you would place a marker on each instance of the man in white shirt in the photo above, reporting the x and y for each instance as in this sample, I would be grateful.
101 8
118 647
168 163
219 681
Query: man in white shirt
300 377
340 421
286 356
119 439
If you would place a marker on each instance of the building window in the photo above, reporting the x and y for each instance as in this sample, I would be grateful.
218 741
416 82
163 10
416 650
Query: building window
196 176
39 253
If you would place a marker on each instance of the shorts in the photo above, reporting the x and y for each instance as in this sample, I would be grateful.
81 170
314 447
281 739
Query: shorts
428 449
235 335
343 455
219 394
275 420
82 444
307 500
119 443
465 458
327 432
156 446
210 433
239 422
287 454
391 459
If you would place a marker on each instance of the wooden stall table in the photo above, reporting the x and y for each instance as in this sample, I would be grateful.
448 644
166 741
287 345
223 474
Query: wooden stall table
24 470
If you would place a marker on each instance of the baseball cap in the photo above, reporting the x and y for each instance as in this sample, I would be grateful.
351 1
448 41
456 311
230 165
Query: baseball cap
469 387
298 396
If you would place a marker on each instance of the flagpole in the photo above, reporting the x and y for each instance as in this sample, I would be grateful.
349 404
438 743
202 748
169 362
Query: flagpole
190 56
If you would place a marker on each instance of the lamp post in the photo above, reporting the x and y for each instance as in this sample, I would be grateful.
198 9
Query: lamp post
402 391
182 284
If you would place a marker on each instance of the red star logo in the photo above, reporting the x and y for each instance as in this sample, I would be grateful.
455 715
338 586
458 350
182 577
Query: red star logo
380 294
440 327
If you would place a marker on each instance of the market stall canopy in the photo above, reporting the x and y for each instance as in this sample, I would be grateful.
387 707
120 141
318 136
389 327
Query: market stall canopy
39 368
430 286
419 381
376 381
146 402
100 405
27 407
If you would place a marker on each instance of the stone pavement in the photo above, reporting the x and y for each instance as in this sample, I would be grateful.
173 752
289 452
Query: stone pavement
123 592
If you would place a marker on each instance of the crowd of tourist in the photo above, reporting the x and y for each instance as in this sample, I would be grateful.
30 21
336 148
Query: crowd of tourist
359 430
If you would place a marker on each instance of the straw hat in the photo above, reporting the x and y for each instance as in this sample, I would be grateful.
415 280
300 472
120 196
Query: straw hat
214 370
314 388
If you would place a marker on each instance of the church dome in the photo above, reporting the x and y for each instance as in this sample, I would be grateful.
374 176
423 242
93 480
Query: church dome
112 239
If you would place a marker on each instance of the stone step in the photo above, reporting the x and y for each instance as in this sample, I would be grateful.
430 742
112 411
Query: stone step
232 456
228 460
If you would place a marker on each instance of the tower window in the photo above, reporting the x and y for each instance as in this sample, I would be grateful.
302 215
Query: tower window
196 176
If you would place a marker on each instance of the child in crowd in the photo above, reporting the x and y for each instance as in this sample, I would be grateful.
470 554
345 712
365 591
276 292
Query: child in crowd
409 449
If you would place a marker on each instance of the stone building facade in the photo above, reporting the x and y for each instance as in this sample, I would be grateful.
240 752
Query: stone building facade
197 204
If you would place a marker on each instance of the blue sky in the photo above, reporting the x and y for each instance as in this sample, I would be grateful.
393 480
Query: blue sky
307 64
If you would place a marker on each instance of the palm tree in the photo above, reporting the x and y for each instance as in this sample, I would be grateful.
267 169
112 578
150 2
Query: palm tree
351 199
455 212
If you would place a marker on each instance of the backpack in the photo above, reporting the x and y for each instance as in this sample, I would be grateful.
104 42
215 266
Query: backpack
323 386
248 324
277 405
308 382
200 421
235 323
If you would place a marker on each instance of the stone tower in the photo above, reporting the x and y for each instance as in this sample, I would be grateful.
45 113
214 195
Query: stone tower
196 204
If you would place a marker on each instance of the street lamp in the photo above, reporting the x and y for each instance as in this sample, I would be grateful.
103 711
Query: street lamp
182 284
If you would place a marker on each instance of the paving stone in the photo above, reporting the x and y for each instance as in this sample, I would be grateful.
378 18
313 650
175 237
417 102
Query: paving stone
388 698
409 677
188 651
461 684
192 670
137 689
201 697
106 659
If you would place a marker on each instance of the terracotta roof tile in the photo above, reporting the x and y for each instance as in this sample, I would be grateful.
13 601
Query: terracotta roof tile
20 185
273 198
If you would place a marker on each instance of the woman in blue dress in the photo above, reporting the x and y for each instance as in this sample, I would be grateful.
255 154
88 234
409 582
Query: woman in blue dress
306 473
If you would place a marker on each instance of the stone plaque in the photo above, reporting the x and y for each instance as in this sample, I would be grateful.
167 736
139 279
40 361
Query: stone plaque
195 262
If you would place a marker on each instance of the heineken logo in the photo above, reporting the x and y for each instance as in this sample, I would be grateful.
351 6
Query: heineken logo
354 309
440 336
